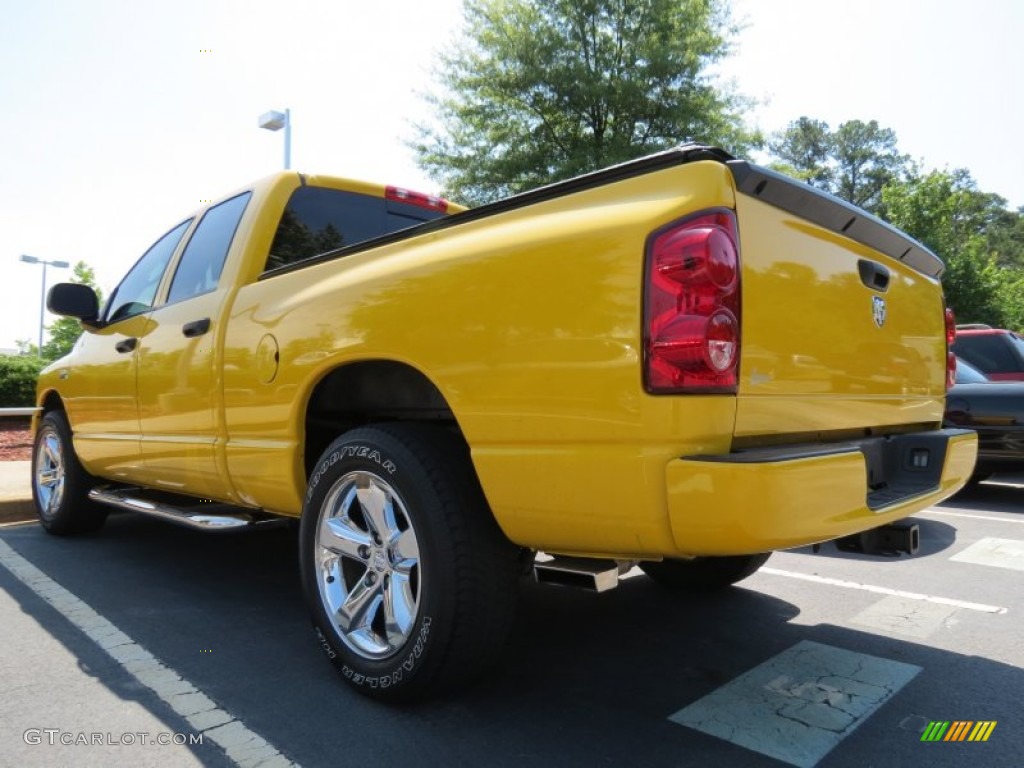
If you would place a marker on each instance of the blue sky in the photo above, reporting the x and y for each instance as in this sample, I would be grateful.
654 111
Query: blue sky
120 117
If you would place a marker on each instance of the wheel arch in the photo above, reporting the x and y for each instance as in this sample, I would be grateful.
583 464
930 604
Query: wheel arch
51 401
366 392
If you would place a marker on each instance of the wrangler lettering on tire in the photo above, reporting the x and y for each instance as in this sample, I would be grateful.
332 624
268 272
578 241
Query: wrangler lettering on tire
410 582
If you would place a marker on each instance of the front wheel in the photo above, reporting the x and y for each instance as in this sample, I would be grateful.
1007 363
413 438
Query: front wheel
703 573
410 582
60 485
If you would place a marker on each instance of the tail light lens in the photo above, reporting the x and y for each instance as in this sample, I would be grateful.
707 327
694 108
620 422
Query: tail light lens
692 306
950 357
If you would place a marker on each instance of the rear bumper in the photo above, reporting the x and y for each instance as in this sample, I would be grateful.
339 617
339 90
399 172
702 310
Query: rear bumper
761 500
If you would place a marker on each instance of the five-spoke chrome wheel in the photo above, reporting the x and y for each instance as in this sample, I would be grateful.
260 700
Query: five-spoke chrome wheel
48 472
369 565
410 582
60 485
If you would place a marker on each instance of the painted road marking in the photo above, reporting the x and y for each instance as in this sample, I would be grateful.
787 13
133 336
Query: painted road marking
970 517
901 616
246 748
797 706
884 590
1001 553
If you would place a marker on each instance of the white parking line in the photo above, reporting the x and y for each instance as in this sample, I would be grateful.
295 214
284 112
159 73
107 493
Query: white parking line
797 706
244 747
884 590
971 517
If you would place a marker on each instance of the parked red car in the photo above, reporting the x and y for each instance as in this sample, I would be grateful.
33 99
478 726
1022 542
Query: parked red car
996 352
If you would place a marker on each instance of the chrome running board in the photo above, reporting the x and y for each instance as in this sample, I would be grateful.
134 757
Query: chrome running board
210 517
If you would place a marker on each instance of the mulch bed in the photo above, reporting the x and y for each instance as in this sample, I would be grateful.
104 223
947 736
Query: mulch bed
15 441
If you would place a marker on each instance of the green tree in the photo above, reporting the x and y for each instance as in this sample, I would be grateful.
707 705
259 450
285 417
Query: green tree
866 160
64 332
805 149
542 90
947 212
1006 238
854 162
1011 298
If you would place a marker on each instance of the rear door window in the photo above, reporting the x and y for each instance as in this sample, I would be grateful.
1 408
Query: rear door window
202 262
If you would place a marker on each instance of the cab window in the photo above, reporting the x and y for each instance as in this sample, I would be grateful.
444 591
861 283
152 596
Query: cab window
136 292
318 220
202 262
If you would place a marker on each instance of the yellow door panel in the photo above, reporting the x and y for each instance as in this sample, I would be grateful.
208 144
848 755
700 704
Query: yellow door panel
179 386
99 395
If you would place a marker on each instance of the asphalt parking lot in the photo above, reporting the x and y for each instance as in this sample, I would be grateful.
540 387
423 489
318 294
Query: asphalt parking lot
146 632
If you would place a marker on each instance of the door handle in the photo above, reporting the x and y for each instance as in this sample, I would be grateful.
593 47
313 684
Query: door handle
874 275
196 328
127 345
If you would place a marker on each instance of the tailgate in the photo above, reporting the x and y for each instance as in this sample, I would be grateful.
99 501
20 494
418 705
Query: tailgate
842 315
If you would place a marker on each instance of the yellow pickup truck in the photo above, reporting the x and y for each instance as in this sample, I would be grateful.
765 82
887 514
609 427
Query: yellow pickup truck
683 362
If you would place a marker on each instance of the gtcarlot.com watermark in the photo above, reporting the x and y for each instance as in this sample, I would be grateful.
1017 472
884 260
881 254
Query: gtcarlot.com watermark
55 736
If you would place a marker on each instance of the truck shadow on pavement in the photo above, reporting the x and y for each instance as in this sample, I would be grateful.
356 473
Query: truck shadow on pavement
935 538
586 679
991 496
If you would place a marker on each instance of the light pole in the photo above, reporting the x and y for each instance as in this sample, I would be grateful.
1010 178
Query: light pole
42 295
275 121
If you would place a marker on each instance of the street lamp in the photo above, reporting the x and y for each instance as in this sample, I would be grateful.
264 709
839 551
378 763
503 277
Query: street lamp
42 296
275 121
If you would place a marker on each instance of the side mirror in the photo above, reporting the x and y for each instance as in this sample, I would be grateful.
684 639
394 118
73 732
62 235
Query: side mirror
74 300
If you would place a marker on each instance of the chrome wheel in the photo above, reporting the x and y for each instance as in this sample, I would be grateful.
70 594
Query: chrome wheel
49 473
368 565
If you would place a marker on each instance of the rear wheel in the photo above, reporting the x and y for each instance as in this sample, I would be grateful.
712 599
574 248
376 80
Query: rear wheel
704 573
60 485
410 582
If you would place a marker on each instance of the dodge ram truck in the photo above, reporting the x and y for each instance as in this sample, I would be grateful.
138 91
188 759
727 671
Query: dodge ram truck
683 362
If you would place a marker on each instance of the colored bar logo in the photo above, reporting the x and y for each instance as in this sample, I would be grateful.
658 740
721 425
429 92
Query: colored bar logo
958 730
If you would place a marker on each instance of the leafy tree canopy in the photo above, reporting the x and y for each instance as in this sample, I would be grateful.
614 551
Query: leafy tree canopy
948 213
854 162
542 90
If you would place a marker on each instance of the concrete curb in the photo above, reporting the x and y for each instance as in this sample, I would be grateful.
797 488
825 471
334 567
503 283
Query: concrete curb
14 511
16 493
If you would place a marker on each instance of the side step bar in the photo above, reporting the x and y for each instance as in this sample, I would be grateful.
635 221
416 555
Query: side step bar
207 517
585 573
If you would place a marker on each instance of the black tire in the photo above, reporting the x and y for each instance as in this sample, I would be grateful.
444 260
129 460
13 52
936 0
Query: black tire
703 573
405 518
60 485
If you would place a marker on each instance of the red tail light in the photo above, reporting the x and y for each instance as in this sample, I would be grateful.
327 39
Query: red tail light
950 357
692 306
